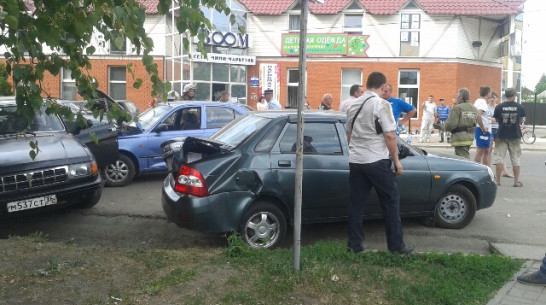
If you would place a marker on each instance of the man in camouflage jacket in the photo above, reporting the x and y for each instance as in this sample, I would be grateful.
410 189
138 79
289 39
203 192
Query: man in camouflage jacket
461 122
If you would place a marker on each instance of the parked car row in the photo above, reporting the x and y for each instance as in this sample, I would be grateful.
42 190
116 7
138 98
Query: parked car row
228 169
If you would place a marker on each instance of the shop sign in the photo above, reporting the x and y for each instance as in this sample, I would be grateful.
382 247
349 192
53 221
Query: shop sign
227 39
225 59
270 78
326 44
254 81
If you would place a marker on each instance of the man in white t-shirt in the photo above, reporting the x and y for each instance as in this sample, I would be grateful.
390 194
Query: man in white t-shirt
482 133
372 138
355 92
429 117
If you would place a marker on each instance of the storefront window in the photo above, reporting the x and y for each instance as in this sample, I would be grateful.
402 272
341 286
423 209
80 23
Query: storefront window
238 74
293 84
68 85
221 21
117 83
202 91
349 77
201 71
408 87
239 92
220 72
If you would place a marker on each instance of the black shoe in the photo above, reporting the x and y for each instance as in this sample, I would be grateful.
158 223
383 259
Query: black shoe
532 279
358 251
405 250
441 141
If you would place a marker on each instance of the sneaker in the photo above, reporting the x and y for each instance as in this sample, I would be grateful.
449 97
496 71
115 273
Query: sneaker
357 251
532 279
405 250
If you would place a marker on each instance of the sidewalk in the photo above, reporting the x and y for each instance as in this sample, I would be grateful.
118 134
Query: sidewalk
513 292
539 145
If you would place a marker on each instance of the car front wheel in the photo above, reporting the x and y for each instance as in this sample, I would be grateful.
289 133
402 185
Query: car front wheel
121 172
264 226
456 208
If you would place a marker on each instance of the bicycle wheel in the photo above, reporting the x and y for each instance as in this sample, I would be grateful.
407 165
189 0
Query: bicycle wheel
529 137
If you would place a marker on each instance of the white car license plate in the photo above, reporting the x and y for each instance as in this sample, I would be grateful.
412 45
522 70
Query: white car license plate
32 203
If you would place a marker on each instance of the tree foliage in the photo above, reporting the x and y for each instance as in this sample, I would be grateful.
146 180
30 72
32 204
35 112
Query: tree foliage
5 85
541 85
45 36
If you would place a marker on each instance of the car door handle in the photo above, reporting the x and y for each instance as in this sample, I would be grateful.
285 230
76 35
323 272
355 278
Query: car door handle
285 163
112 129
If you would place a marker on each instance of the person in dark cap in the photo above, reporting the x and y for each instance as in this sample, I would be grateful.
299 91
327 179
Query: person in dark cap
509 115
272 103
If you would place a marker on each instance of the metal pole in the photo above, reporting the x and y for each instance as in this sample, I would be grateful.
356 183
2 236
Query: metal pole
535 113
302 88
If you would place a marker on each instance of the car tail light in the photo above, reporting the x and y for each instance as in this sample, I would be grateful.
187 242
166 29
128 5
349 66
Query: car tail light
190 181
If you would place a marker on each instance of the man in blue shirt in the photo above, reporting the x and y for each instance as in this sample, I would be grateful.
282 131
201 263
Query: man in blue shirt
443 114
398 106
272 103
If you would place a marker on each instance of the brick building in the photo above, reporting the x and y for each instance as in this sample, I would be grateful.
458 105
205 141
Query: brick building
423 46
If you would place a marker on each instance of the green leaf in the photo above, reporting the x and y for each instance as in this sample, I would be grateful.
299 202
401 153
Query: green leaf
90 50
147 59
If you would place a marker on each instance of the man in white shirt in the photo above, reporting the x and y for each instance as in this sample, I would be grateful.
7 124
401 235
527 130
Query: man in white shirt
484 150
372 138
429 117
356 91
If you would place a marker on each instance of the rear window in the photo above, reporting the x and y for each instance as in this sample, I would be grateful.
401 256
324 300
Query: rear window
237 131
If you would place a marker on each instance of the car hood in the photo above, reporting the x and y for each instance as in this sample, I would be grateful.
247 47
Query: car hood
53 147
442 161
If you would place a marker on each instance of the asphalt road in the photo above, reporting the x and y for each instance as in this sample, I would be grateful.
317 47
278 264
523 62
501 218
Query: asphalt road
133 215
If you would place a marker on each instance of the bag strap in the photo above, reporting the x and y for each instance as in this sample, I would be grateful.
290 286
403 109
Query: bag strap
358 112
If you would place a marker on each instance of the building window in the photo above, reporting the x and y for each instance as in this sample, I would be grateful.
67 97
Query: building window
293 83
293 23
68 85
115 50
349 77
117 83
352 24
408 87
410 26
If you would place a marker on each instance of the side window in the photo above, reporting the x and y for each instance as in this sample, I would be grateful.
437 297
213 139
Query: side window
182 119
318 138
190 119
267 142
218 117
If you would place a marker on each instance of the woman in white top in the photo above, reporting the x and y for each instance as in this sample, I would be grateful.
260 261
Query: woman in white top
262 104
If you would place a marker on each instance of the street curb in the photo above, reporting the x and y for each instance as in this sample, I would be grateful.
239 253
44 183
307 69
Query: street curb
527 252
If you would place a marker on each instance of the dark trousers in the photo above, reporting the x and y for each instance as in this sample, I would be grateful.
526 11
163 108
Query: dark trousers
362 177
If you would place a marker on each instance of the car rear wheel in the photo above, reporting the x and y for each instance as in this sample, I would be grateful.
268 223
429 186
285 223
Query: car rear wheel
121 172
456 208
264 226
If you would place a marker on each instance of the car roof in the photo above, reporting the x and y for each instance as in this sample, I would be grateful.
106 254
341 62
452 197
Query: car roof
292 114
7 101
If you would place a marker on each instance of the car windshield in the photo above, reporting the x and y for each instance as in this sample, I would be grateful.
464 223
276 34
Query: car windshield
12 122
237 131
150 116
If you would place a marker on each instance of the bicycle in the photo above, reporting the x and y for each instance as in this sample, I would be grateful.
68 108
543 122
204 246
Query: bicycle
528 137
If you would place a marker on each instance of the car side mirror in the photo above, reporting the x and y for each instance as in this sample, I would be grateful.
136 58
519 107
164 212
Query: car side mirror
161 127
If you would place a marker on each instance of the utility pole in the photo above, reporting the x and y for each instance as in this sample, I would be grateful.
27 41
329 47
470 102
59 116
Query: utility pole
302 96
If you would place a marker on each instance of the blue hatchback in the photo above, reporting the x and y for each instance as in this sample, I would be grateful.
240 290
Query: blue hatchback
140 141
